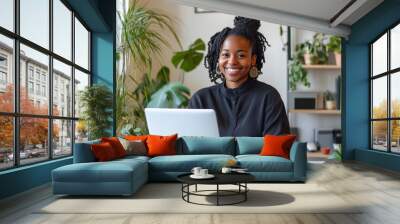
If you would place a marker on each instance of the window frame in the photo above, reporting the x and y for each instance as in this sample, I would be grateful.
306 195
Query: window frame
16 114
388 74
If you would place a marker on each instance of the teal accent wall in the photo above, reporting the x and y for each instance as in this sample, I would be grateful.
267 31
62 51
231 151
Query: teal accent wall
355 119
24 178
99 16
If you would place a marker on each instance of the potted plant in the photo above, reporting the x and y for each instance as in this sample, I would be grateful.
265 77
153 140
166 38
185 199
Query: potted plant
96 102
335 47
305 48
329 100
319 53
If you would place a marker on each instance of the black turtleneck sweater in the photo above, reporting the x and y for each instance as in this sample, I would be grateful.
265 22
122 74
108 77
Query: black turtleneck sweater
253 109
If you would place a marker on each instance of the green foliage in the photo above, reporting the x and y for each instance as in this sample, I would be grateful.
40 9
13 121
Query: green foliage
329 96
319 50
297 74
141 33
191 58
335 44
171 95
96 102
143 36
304 48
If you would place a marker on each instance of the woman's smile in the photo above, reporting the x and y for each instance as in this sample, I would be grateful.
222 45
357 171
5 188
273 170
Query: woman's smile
232 71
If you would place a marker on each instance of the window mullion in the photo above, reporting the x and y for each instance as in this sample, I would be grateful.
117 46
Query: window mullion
73 82
389 101
16 84
50 81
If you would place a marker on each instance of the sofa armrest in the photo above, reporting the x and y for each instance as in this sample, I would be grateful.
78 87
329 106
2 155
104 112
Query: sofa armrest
83 152
298 155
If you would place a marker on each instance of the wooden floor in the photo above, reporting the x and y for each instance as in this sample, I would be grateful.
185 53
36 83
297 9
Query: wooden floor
377 188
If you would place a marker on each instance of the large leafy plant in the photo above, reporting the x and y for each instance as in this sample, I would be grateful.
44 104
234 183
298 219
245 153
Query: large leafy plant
159 92
96 103
143 37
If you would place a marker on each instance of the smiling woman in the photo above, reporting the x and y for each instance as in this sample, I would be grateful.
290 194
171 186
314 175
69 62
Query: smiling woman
244 106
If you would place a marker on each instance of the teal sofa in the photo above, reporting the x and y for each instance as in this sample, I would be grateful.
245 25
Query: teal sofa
125 176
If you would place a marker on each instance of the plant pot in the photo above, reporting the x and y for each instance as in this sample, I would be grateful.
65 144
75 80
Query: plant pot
325 150
307 59
330 104
338 59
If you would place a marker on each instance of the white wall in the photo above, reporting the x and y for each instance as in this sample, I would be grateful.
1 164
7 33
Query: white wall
191 26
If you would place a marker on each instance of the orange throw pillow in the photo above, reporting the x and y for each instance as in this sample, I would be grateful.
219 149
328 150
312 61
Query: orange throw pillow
277 145
161 145
142 138
116 145
103 151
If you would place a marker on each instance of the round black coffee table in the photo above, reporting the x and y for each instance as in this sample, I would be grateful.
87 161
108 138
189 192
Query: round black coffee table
238 179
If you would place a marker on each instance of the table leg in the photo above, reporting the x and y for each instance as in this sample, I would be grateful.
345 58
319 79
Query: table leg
196 188
245 193
217 194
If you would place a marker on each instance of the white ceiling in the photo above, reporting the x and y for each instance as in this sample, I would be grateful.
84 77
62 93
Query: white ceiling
315 15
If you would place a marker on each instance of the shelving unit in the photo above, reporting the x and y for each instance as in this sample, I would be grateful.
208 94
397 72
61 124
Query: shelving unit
330 67
312 111
310 124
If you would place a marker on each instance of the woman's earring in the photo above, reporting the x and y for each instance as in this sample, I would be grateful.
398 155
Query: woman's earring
217 71
254 72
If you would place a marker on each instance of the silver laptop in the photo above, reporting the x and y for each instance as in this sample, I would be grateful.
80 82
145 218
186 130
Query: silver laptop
184 122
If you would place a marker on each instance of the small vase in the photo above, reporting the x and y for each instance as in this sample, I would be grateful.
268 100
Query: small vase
330 104
307 59
338 59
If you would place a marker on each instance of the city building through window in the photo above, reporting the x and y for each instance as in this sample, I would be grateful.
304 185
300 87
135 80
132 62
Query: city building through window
43 86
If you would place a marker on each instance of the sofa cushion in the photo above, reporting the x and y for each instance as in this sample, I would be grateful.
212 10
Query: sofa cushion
249 145
116 145
185 163
196 145
257 163
103 151
142 138
135 147
161 145
277 145
112 171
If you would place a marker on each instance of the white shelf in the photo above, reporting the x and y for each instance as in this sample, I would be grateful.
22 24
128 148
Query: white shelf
322 67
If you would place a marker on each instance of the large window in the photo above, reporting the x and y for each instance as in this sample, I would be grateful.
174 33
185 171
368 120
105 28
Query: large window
385 93
44 64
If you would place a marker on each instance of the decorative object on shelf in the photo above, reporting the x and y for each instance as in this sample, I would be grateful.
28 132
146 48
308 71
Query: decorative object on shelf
329 100
319 52
335 46
325 150
306 47
312 147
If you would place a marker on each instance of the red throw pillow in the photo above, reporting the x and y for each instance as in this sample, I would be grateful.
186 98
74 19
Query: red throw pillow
161 145
116 145
277 145
103 151
142 138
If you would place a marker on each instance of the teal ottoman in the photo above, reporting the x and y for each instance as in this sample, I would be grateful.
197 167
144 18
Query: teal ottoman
118 177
